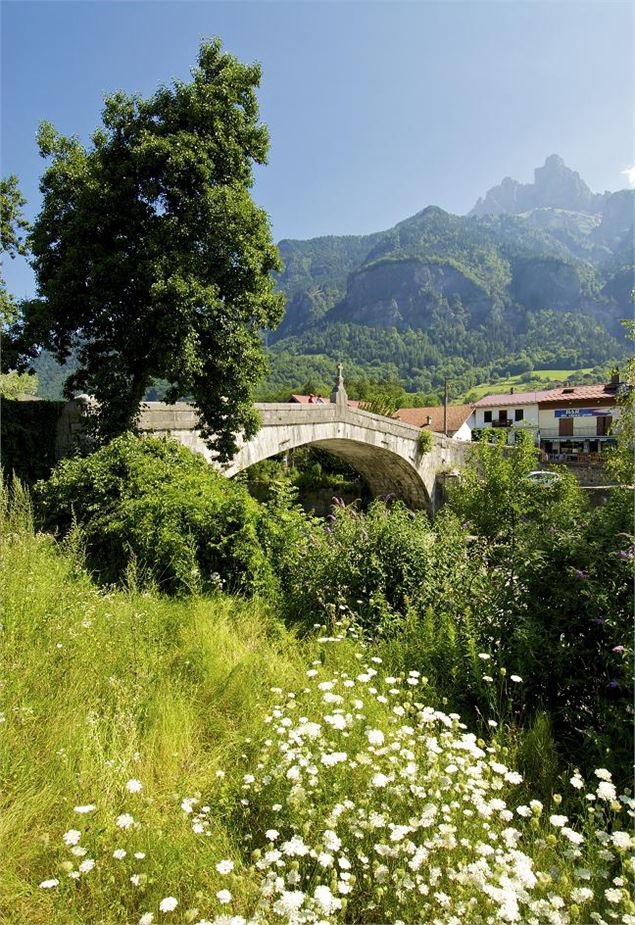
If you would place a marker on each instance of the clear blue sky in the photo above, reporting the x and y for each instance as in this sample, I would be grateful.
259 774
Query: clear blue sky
375 109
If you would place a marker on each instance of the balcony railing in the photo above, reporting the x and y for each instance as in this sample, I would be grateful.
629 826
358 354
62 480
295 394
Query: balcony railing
502 423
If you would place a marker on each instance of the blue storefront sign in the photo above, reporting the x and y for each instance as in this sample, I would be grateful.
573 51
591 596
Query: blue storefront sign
583 413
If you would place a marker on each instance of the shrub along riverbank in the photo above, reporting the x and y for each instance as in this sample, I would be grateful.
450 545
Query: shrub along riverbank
174 753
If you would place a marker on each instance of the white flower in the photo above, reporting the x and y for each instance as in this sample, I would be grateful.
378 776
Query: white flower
602 773
484 656
379 780
168 904
78 851
332 758
290 901
523 811
294 847
134 785
613 896
86 865
577 782
606 790
140 855
124 821
72 836
325 899
375 736
119 853
88 808
621 839
146 919
224 896
515 678
580 894
331 841
135 879
49 884
271 834
225 867
574 837
558 821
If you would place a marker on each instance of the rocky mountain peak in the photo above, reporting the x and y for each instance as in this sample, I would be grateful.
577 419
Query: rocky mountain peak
555 186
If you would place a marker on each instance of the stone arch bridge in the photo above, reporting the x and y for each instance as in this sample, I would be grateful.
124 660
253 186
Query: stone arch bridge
383 450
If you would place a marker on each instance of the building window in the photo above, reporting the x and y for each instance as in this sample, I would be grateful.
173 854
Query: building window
519 414
487 417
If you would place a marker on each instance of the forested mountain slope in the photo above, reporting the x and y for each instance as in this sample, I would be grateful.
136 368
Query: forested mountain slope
536 275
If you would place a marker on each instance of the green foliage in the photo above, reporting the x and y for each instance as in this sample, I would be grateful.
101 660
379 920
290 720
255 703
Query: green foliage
13 226
558 595
13 384
424 442
621 463
152 259
152 501
492 494
27 437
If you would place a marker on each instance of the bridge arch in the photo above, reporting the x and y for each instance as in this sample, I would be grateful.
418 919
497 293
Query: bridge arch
387 462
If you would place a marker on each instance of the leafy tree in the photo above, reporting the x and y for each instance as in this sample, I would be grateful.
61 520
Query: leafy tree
13 226
152 260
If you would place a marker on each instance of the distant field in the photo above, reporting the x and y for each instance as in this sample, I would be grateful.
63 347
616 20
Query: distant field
541 378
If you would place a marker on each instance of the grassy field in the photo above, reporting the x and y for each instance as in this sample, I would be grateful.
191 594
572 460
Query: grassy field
540 379
169 761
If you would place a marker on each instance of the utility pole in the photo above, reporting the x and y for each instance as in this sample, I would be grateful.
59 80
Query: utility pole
445 405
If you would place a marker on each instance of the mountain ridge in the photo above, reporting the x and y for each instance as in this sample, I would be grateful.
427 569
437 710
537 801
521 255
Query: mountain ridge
471 289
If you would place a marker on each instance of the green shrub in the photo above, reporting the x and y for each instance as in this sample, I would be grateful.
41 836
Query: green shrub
153 502
424 442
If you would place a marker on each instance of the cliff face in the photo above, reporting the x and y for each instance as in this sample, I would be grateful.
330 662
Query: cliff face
544 283
409 293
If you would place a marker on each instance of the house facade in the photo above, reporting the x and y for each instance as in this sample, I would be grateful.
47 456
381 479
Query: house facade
570 424
576 421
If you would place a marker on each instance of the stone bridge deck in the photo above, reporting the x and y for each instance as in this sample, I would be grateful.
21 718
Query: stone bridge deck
383 450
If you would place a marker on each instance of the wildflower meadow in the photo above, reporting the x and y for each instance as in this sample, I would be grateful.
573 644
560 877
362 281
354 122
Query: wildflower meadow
385 723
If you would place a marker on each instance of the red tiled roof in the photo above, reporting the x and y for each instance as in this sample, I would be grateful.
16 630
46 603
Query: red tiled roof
562 394
580 392
517 398
418 417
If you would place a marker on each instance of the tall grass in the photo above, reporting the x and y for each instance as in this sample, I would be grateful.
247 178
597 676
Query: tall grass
101 687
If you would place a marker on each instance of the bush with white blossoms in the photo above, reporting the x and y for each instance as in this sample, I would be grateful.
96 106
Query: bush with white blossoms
365 805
